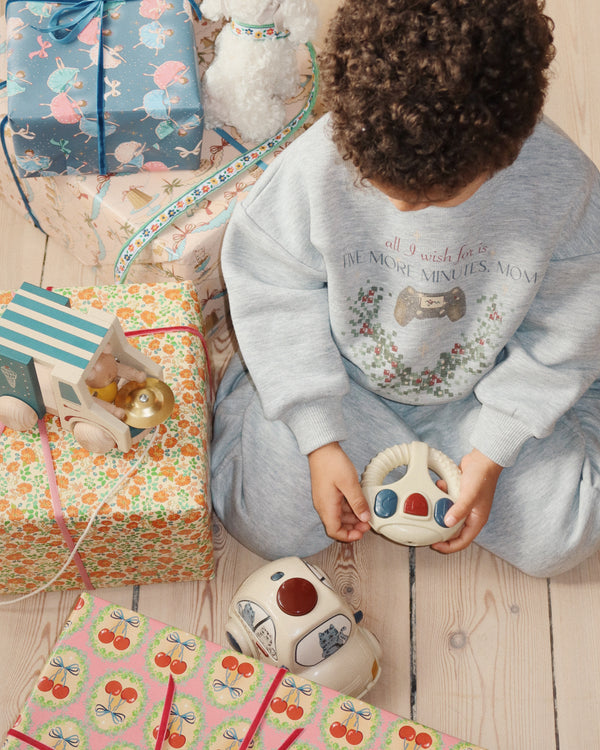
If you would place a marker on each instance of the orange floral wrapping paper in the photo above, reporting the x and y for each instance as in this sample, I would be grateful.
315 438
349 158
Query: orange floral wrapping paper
104 686
157 526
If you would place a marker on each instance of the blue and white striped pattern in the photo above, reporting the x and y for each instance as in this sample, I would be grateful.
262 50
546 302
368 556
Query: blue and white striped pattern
38 322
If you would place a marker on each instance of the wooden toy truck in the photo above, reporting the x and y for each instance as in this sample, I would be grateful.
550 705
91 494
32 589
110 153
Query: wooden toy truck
46 351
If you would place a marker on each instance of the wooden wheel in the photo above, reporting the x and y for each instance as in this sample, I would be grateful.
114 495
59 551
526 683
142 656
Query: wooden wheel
93 438
16 414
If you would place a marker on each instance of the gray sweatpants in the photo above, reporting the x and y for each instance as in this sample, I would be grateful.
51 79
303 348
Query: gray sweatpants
546 513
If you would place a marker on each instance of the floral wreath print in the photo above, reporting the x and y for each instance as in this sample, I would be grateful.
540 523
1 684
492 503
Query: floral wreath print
349 723
79 616
230 734
376 349
63 734
295 700
62 678
115 701
409 735
186 719
117 634
176 653
232 679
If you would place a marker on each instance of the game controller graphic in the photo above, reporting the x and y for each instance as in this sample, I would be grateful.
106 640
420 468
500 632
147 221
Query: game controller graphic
412 304
411 510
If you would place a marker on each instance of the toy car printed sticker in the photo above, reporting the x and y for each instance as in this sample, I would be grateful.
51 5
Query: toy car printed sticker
261 626
232 679
115 635
294 703
115 702
349 723
62 678
323 641
176 653
186 719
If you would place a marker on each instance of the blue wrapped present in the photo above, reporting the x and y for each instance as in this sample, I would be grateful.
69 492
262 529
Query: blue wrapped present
78 106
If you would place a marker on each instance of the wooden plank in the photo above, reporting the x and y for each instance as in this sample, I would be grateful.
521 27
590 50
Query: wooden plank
574 101
575 600
373 576
483 656
201 607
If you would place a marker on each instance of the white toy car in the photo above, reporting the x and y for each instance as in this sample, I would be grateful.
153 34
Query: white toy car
288 614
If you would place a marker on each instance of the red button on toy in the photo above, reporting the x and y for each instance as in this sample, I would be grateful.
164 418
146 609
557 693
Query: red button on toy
297 597
416 505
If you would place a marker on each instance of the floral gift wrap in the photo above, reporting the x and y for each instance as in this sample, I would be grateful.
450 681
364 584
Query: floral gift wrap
144 515
121 681
157 226
75 107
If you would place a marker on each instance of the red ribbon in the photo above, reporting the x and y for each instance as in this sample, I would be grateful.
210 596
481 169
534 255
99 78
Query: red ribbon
160 737
262 710
166 712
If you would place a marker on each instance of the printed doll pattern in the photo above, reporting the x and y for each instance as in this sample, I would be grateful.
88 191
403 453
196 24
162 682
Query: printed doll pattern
119 705
140 111
376 349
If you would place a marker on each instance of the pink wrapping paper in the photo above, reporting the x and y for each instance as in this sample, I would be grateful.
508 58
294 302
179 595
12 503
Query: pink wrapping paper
105 685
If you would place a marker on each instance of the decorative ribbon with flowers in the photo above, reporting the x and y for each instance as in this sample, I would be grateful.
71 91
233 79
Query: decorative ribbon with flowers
130 251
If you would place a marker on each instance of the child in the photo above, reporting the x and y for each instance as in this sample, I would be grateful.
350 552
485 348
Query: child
421 264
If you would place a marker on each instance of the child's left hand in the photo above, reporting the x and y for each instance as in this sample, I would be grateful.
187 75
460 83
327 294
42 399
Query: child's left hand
477 486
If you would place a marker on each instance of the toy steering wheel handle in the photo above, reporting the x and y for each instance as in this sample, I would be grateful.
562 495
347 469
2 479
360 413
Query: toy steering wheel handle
411 510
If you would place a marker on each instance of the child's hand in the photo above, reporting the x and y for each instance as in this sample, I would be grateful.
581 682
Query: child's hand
337 494
477 486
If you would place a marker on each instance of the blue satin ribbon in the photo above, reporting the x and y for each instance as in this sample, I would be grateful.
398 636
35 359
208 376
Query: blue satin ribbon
68 22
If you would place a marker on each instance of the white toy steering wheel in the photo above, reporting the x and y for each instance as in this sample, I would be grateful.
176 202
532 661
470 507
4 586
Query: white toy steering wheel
411 510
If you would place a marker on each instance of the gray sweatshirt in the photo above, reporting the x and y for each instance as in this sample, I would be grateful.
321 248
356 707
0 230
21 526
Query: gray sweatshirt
499 296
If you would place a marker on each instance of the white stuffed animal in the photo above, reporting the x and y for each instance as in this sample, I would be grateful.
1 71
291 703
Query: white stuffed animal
255 68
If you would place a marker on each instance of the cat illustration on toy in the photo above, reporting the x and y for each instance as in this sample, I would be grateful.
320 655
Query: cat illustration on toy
288 614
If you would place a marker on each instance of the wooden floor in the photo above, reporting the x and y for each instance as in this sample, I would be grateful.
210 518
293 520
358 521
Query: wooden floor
471 646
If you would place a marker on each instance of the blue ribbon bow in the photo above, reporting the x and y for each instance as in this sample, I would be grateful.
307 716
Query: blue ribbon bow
67 22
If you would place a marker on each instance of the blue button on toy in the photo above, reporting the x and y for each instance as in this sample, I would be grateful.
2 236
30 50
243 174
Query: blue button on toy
386 502
442 506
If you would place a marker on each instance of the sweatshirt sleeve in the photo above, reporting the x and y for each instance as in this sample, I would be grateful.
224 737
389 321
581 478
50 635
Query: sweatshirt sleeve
554 356
279 308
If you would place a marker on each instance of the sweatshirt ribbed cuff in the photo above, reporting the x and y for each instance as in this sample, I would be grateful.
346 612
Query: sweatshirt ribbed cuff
316 424
499 436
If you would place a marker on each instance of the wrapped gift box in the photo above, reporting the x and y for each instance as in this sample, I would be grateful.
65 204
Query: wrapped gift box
110 222
155 526
138 107
107 683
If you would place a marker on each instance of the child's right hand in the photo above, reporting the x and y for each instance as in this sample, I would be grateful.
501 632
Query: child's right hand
337 494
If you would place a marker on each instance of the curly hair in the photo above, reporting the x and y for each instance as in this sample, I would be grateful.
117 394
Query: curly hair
430 94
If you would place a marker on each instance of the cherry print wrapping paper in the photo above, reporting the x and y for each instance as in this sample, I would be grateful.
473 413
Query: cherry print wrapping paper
105 685
73 110
96 217
157 526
